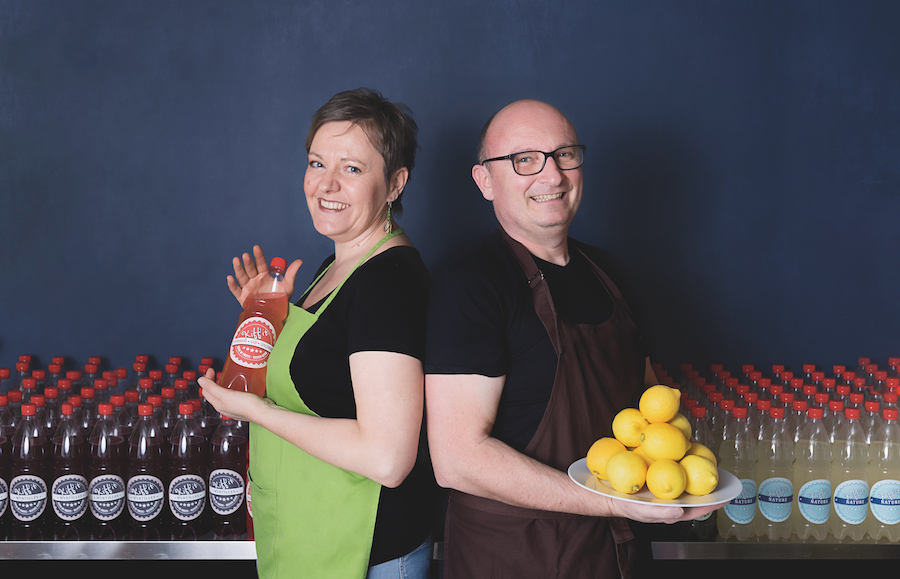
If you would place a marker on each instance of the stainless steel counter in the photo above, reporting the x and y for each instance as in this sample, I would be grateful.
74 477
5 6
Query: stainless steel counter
767 550
128 550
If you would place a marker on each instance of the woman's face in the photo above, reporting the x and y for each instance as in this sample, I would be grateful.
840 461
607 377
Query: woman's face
344 183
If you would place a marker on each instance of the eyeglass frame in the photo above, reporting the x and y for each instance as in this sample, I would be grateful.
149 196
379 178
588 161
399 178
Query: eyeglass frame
544 164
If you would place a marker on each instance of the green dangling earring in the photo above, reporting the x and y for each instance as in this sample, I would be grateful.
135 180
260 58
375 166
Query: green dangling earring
387 226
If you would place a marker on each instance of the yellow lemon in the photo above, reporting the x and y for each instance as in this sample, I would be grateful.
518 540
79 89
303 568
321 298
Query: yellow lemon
638 451
599 454
628 425
683 425
666 479
660 403
702 475
627 472
701 450
663 440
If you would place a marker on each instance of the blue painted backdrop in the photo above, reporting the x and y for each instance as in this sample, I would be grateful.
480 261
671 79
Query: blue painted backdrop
743 159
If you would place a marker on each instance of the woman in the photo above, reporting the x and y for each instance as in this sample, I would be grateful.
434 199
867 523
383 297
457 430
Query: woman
341 485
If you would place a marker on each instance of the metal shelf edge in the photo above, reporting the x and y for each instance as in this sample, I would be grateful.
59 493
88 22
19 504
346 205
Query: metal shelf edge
128 550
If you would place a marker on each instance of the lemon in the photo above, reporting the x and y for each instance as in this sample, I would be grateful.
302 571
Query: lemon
638 451
599 454
683 425
627 472
666 479
663 440
660 403
702 450
702 475
628 425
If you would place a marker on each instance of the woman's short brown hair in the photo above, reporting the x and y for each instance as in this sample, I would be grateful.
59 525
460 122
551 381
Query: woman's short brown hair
389 126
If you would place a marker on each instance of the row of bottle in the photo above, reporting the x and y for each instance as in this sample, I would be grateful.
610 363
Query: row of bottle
118 485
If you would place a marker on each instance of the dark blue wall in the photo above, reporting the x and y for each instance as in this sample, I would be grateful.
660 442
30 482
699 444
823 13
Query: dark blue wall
743 159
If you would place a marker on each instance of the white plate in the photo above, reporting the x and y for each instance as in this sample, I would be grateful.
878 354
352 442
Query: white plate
728 488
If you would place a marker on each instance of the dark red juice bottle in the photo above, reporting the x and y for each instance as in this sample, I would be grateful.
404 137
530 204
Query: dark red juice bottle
28 489
69 490
6 434
227 469
146 488
189 473
108 453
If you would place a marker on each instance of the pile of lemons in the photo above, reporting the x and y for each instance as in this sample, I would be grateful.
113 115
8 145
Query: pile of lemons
653 446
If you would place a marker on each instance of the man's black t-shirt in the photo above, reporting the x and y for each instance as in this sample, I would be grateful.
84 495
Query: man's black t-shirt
481 320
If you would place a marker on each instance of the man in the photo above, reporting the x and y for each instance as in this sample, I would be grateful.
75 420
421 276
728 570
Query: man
532 350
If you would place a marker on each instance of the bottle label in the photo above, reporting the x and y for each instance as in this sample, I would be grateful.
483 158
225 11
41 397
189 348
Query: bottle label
885 501
107 496
742 508
69 495
187 496
776 496
226 491
4 497
146 495
28 497
814 501
851 501
252 342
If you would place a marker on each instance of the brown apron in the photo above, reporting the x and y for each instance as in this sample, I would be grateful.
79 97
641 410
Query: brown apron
599 372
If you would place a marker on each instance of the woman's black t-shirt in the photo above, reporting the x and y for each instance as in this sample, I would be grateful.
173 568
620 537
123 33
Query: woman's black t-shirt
381 307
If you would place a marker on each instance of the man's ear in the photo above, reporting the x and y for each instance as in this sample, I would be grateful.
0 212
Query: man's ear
482 177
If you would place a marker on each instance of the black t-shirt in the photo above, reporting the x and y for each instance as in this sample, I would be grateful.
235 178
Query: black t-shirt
481 320
381 307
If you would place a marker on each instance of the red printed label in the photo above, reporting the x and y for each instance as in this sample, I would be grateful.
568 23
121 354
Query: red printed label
252 342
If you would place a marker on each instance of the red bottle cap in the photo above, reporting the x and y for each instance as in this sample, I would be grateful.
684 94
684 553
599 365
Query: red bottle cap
278 263
764 405
698 411
117 400
145 409
75 400
67 409
156 374
142 359
4 373
196 403
132 395
4 401
168 392
186 408
87 392
121 373
739 412
22 367
29 383
815 412
64 384
28 409
100 384
38 374
799 405
889 413
181 384
776 412
146 383
872 406
51 392
836 405
155 400
139 366
15 395
171 368
105 409
90 368
727 404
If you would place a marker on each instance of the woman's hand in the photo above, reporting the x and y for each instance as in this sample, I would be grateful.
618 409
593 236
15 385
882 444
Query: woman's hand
246 274
234 404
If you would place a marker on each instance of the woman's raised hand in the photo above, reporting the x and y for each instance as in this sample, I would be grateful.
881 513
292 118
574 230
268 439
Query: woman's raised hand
246 274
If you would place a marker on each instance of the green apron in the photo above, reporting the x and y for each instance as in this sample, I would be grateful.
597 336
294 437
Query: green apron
310 519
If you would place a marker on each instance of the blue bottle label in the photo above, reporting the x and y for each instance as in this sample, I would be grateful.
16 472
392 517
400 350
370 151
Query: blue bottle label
851 501
146 495
742 508
187 496
28 497
884 499
107 496
776 496
69 495
226 491
814 501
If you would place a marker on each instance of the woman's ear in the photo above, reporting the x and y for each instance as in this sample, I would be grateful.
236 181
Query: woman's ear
397 183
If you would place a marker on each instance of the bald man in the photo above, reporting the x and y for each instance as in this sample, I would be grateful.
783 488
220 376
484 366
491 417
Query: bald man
533 347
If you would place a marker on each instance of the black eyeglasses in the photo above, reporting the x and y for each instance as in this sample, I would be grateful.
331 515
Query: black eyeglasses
532 162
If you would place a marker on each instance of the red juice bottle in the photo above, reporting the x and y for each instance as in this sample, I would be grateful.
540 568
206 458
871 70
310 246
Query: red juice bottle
6 434
69 491
227 469
108 453
189 473
146 488
259 325
28 488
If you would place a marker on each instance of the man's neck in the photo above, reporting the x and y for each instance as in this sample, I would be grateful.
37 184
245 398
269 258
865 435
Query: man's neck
553 247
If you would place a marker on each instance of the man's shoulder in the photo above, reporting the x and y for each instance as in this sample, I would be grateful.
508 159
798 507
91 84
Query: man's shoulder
486 259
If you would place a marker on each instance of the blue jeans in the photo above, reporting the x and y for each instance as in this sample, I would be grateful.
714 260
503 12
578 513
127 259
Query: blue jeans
413 565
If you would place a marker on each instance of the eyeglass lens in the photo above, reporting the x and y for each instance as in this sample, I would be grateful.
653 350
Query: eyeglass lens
532 162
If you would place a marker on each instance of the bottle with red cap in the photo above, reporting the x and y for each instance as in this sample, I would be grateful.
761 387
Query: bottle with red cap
883 475
145 389
258 326
23 371
6 434
737 455
29 389
227 469
107 461
774 465
28 488
147 479
169 411
849 463
188 477
139 371
812 479
69 491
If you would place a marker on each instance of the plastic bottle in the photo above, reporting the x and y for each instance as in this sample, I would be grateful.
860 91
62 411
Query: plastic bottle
812 479
774 470
147 479
28 489
737 455
884 475
108 452
848 479
871 420
169 412
795 421
69 491
6 434
52 407
189 473
259 325
227 469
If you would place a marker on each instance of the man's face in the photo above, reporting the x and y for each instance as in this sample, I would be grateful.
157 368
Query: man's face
530 206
